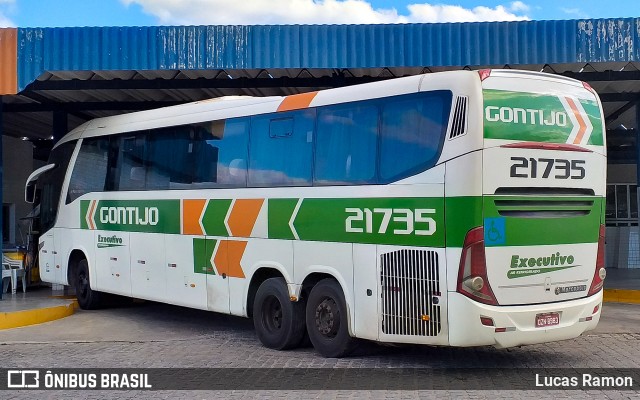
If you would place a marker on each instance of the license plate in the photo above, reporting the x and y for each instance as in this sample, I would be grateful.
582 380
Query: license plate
548 319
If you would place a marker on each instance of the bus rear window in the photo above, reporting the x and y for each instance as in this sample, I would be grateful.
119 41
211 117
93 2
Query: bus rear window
377 142
410 135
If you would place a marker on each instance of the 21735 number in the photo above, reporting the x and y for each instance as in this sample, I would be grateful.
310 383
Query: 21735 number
557 168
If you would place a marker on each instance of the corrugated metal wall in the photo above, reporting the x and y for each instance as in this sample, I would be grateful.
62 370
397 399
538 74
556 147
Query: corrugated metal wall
608 40
324 46
8 60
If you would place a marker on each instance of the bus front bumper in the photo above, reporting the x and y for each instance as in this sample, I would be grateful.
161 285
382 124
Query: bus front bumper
516 325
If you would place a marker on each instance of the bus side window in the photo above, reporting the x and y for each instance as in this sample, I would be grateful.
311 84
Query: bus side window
204 156
346 145
90 170
222 154
169 161
281 149
130 161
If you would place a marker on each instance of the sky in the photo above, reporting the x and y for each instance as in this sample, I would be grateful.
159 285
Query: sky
69 13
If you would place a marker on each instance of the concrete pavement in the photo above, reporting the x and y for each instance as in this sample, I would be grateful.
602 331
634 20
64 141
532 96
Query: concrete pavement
38 305
152 335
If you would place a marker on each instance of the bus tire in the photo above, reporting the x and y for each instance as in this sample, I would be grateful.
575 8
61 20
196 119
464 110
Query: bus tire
88 299
279 322
327 320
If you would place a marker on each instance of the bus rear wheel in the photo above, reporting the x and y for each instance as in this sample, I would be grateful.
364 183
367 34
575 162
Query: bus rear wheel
326 320
279 322
88 299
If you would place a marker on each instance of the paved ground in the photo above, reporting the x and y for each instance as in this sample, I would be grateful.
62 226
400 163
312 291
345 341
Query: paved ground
155 335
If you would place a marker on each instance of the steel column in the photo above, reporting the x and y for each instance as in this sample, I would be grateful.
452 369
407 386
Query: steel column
60 125
637 126
1 185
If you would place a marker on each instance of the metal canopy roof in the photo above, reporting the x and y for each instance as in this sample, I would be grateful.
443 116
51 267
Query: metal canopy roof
75 74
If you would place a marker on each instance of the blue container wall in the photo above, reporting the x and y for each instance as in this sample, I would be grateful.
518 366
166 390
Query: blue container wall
324 46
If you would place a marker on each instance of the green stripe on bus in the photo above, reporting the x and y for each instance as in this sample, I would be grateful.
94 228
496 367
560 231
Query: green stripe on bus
151 216
413 221
393 221
279 214
537 117
532 230
202 255
462 215
84 210
214 215
593 110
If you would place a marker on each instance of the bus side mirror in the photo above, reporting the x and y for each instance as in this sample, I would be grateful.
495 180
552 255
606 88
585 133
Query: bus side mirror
30 185
30 192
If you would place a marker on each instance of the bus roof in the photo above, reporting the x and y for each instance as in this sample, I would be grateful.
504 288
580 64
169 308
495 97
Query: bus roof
239 106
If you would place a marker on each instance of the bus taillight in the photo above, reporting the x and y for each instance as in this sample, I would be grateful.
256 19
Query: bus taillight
589 88
484 74
601 272
472 274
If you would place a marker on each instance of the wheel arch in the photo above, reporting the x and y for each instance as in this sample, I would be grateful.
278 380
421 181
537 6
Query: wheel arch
260 275
75 257
316 276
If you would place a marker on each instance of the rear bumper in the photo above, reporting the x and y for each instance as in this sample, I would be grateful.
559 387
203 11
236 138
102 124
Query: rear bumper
465 328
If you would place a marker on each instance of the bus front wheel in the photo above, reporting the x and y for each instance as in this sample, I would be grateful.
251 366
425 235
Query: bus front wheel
88 299
326 320
279 322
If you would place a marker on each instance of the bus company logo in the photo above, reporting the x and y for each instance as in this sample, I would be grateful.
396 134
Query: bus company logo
129 215
523 266
570 289
109 241
100 216
565 116
526 116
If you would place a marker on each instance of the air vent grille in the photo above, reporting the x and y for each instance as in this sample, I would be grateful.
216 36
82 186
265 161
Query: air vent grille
544 191
410 280
543 208
526 202
459 124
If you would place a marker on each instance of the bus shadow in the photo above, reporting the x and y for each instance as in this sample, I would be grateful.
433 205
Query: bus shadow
424 356
368 353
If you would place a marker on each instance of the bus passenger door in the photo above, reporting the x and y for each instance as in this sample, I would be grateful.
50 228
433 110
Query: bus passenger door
113 273
59 262
186 271
219 257
46 258
148 272
52 267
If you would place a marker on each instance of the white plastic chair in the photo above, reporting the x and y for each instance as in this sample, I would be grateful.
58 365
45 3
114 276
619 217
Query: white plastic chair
8 277
17 271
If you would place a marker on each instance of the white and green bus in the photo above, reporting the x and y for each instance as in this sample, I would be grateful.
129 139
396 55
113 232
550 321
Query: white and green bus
458 208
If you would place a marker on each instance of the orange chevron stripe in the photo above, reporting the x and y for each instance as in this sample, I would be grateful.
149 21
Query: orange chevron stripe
297 101
583 125
92 223
191 212
243 216
229 256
